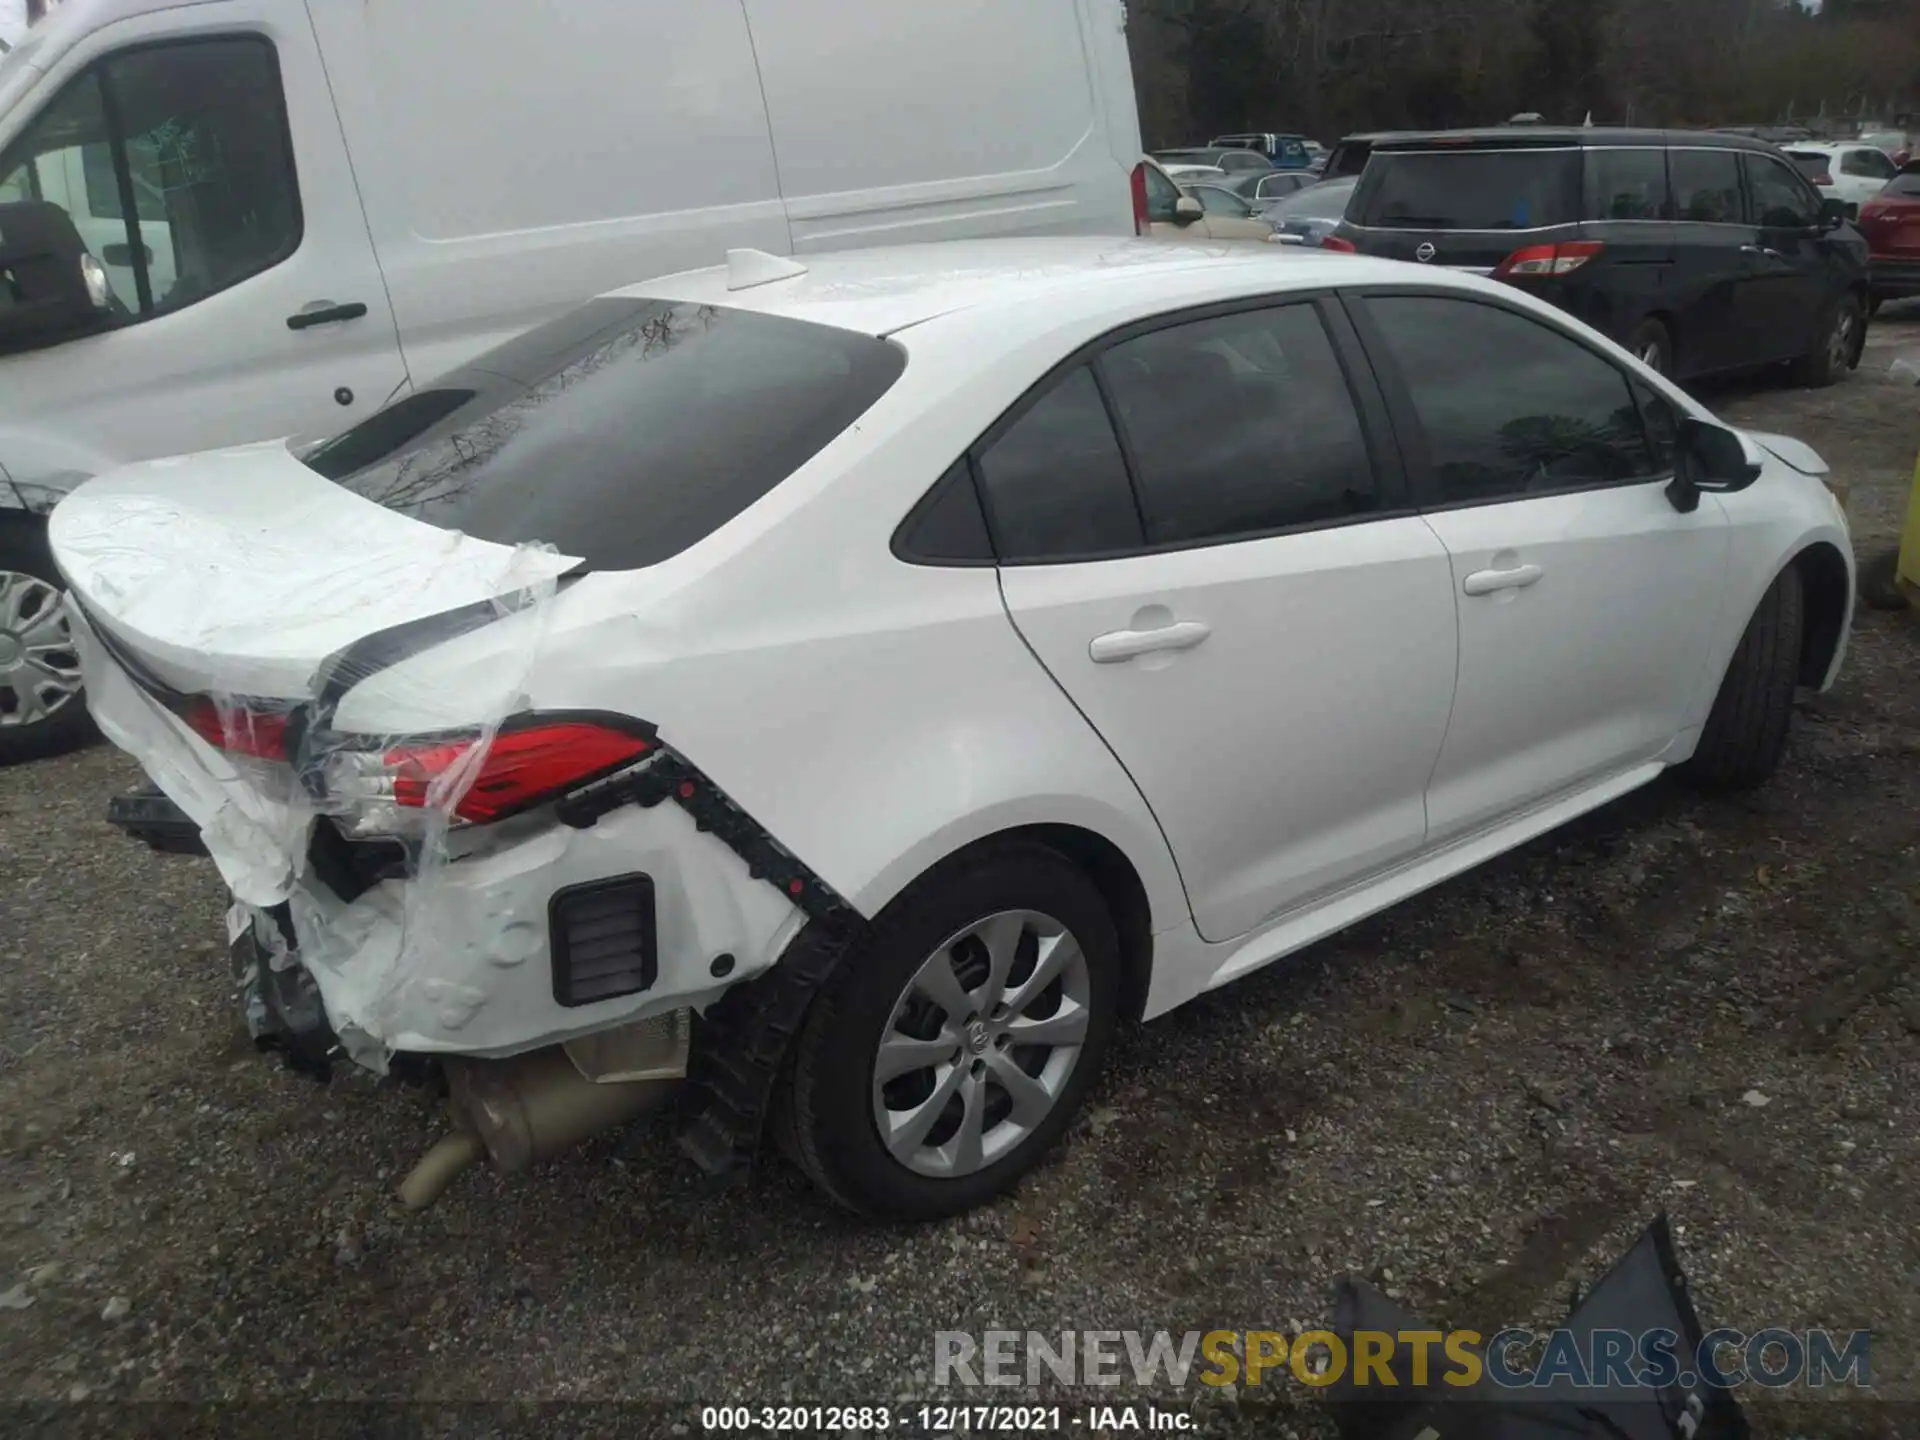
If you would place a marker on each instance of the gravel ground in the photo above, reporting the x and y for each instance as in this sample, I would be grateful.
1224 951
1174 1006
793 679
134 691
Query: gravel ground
1481 1096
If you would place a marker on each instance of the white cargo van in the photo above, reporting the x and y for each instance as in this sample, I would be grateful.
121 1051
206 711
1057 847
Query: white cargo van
232 220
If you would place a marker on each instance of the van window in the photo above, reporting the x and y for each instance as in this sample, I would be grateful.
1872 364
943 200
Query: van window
199 129
1627 185
1469 190
1706 186
1782 200
615 432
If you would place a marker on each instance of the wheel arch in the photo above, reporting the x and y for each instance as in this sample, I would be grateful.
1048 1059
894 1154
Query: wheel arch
1827 585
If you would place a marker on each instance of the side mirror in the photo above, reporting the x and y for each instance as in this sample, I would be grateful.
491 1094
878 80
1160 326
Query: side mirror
1834 213
1708 459
51 289
1186 210
122 255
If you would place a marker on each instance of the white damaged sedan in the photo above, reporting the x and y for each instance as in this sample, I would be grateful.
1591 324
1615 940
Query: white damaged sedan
839 694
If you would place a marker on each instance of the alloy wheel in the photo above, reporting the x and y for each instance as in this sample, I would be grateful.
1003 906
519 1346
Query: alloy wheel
39 669
979 1045
1840 342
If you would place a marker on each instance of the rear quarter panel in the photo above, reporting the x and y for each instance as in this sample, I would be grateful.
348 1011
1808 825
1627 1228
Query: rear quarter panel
873 716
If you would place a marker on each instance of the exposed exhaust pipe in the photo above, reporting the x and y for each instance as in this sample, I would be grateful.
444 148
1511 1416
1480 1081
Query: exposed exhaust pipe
523 1110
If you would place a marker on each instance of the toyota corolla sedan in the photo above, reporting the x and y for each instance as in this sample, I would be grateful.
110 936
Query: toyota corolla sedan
839 694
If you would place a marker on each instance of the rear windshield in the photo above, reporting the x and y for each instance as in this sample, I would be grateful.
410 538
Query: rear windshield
1469 190
1905 183
1809 162
1326 201
623 432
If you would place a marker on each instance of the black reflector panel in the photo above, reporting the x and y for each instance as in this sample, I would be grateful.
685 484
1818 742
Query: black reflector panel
603 940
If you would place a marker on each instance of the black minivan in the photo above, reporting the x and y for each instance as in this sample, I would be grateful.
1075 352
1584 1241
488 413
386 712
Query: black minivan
1698 252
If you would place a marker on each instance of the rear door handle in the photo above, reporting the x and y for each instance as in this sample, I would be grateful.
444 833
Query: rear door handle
1486 582
1118 646
324 312
1763 251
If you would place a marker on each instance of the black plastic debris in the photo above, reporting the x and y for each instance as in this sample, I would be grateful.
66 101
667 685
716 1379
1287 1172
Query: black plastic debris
1644 1294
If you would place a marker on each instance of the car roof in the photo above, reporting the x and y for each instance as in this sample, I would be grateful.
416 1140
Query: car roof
1535 136
885 290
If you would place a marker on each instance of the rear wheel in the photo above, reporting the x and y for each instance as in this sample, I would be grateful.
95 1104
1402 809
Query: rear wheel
1652 346
42 709
1842 337
1746 731
951 1051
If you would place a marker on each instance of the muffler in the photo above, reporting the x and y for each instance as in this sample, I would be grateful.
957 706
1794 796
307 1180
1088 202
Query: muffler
532 1107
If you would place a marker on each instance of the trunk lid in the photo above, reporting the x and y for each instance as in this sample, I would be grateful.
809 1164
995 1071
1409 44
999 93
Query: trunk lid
237 572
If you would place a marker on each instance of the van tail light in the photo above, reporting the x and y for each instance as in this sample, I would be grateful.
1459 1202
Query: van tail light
1142 223
1538 260
392 790
1340 245
1822 179
237 728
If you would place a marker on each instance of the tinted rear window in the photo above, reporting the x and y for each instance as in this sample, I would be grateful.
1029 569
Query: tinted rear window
1904 183
1469 190
623 432
1809 163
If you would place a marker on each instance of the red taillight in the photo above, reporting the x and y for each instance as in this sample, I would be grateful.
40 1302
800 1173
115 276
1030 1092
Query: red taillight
1823 178
1340 245
238 730
1142 222
1539 260
520 769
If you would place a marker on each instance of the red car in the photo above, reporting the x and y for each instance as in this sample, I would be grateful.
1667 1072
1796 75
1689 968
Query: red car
1891 223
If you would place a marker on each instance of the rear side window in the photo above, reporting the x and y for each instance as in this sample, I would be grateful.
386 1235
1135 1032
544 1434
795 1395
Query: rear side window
622 433
1706 186
1508 406
1240 425
1627 185
1868 164
1055 481
1469 190
1216 201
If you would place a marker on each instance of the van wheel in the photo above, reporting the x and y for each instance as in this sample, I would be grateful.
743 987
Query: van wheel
42 708
1842 338
1652 346
1746 731
949 1052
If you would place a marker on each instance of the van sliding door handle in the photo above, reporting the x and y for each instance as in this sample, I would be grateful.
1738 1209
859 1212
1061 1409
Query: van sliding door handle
324 312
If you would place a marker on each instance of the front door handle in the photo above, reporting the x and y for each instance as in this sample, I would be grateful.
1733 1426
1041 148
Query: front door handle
1764 252
324 312
1486 582
1118 646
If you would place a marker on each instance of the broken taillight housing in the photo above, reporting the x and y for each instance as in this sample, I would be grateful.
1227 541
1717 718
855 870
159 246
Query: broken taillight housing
395 789
238 728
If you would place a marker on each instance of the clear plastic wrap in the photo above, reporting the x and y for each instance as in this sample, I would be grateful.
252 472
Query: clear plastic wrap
1906 366
218 639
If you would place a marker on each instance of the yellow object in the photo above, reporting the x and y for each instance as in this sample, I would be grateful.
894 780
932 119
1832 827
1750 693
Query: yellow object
1909 567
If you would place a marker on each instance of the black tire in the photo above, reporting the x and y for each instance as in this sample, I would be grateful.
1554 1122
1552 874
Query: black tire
1879 584
1746 731
1837 346
827 1113
1652 345
24 551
